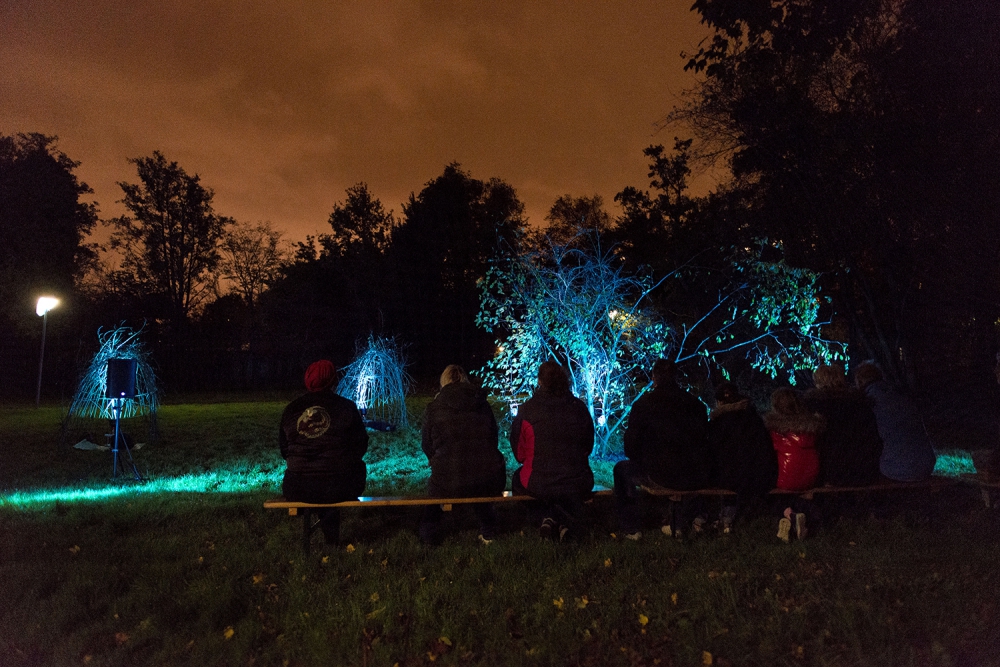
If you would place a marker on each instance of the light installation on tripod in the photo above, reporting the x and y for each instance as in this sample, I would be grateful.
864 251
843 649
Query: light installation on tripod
120 388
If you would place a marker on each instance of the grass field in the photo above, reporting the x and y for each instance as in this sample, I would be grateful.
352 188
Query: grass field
188 569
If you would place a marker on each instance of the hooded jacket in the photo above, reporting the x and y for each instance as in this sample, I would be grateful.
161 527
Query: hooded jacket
322 435
743 457
907 454
459 437
552 437
850 446
794 440
666 438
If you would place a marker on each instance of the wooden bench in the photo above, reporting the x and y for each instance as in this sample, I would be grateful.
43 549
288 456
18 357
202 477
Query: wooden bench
307 509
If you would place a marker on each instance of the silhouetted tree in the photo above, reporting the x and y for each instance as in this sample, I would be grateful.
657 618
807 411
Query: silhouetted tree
450 231
170 243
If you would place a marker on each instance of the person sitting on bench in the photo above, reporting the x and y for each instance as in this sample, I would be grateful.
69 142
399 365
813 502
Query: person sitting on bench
794 430
323 439
459 437
665 443
907 454
552 437
743 458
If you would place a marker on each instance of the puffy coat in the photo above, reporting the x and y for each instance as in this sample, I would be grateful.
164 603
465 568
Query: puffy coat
552 437
907 454
794 441
322 436
743 457
666 438
459 437
850 446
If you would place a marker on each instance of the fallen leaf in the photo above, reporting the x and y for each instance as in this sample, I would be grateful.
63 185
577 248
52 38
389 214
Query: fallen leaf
257 578
445 641
558 602
706 658
607 562
800 652
74 549
374 597
326 559
581 602
228 632
673 598
350 548
643 619
121 638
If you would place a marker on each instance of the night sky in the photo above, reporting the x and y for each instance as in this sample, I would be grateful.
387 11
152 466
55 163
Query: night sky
280 106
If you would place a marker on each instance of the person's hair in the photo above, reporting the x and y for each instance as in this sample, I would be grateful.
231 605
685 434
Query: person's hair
830 377
664 372
786 401
727 392
453 373
552 378
867 373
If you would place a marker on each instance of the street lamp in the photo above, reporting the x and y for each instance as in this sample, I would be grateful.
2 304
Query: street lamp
45 304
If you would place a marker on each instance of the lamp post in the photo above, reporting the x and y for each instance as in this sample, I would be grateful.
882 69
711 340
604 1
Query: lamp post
45 304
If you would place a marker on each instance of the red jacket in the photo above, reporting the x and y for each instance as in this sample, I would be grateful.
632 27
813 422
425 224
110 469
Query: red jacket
798 461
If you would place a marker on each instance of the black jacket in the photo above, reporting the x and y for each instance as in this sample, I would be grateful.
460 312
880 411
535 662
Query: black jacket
552 437
322 435
850 447
666 437
743 458
459 437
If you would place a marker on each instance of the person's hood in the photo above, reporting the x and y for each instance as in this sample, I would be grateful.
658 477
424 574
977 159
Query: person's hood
460 396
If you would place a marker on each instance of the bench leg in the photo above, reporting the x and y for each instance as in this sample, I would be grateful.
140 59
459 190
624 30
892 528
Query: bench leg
987 499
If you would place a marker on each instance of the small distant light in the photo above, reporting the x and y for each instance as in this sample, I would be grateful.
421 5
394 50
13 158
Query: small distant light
513 409
45 304
601 421
612 314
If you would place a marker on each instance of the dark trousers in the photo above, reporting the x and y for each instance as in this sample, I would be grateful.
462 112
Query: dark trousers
628 477
430 522
322 489
565 510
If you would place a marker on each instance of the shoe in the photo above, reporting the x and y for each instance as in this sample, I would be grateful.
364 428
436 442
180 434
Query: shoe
635 537
727 527
667 530
698 525
800 526
548 529
678 534
784 527
485 540
563 532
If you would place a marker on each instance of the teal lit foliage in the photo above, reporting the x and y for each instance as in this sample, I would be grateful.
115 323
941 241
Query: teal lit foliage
90 401
378 382
576 304
767 312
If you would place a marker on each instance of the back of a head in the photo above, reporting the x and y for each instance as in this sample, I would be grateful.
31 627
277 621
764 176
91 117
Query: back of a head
830 377
786 401
867 373
453 373
552 378
664 373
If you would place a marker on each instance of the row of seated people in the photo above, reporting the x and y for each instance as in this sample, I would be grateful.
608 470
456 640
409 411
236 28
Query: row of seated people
833 434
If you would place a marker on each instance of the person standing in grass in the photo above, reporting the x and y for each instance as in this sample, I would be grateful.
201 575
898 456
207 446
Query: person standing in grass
459 437
743 458
907 454
665 444
794 430
323 439
552 437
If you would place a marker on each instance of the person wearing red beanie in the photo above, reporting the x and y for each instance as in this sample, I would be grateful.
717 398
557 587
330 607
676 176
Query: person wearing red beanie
323 439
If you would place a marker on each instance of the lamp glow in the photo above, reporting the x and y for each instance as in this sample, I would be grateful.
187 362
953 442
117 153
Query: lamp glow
45 304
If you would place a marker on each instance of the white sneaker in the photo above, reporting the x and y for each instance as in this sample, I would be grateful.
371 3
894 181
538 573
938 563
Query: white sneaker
635 537
784 527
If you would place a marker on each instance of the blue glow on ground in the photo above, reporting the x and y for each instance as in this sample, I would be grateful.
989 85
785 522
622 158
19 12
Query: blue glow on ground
209 482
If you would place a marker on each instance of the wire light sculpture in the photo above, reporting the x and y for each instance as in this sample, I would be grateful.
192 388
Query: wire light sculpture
90 401
378 382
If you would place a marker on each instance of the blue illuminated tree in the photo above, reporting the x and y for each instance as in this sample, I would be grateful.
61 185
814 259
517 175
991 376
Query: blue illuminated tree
90 399
577 303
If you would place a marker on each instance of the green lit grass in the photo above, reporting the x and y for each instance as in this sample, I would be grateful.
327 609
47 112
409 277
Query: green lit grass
188 569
